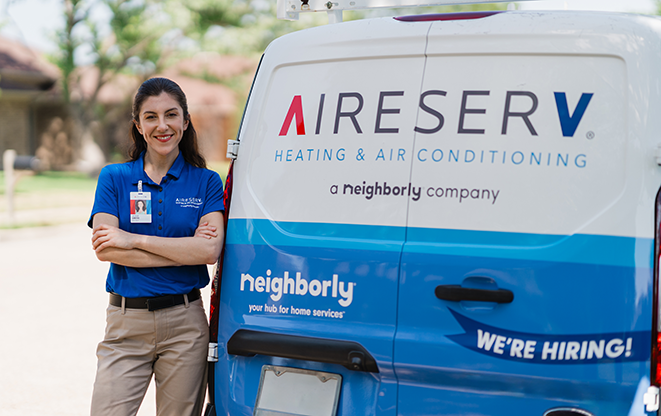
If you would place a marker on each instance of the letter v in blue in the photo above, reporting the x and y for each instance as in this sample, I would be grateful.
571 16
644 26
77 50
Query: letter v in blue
569 123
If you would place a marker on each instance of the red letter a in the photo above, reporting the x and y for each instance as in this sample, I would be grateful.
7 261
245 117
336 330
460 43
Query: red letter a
295 109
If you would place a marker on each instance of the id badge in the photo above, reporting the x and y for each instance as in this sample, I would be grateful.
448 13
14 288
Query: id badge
141 207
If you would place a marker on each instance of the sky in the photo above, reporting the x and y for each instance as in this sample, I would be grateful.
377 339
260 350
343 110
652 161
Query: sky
34 22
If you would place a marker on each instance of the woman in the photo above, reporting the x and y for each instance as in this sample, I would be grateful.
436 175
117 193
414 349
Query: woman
155 321
140 207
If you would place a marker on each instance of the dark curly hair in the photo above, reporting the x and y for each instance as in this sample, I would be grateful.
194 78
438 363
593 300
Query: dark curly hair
154 87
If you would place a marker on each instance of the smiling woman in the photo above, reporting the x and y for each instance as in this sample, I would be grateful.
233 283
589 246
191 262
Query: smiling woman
162 125
158 248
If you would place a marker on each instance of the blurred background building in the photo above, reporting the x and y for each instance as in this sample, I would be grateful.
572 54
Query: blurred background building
26 99
36 119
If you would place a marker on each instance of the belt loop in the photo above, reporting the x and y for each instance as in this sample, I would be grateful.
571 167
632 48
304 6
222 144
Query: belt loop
123 305
186 300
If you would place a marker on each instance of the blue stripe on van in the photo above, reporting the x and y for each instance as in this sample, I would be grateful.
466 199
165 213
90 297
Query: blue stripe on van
293 234
578 248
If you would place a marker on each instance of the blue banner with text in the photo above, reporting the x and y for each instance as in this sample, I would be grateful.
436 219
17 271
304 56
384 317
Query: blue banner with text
552 349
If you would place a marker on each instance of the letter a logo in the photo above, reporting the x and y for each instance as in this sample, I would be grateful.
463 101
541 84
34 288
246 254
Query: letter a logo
295 110
569 123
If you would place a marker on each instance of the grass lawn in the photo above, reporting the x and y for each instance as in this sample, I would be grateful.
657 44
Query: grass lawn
48 190
49 181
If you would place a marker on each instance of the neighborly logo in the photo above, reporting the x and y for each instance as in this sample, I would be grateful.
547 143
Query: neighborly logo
552 349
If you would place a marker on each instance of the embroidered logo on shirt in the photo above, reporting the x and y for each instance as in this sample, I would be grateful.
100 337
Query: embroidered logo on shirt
189 202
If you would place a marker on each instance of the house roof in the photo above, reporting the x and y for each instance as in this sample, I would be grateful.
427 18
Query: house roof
23 69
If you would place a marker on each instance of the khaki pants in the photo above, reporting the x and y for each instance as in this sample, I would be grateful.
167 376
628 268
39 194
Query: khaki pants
169 343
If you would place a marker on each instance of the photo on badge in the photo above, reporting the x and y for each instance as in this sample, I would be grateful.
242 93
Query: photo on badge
140 207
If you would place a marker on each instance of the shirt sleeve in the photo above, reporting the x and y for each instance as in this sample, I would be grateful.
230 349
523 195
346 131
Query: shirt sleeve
214 198
105 198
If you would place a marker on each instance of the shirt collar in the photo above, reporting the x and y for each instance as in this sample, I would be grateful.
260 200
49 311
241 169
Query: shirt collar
177 166
138 171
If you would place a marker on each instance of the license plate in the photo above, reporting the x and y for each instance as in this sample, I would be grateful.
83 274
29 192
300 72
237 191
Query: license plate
285 391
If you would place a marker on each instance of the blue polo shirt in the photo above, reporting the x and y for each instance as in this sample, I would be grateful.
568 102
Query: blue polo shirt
185 195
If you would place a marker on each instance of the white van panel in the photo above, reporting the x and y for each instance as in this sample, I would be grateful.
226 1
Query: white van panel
502 162
305 175
614 55
328 165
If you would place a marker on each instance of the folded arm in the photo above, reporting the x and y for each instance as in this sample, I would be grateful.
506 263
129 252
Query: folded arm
136 250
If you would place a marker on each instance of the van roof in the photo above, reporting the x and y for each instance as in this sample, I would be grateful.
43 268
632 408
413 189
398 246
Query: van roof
290 9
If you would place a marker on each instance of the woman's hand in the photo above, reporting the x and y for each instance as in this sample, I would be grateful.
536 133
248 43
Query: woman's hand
105 236
205 230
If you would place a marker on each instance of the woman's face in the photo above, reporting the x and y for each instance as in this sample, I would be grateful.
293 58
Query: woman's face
141 206
161 122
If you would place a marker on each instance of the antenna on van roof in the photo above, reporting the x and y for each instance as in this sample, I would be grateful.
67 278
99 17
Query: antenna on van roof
289 9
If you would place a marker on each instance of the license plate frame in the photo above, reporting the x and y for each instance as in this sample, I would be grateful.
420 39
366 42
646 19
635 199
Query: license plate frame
288 391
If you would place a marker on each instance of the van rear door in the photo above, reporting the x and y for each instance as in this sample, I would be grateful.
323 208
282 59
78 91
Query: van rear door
318 216
526 280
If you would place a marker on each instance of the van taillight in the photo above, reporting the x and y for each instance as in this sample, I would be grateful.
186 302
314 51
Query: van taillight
445 16
655 364
651 398
656 358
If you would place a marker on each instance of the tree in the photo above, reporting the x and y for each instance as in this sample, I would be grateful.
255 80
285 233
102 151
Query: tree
248 26
130 43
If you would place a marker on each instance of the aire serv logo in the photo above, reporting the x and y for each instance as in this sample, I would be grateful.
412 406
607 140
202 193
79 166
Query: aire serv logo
351 104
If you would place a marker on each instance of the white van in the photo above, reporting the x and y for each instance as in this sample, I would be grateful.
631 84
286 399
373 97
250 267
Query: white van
447 215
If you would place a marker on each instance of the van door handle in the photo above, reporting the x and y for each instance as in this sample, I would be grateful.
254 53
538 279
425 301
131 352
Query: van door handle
349 354
456 293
